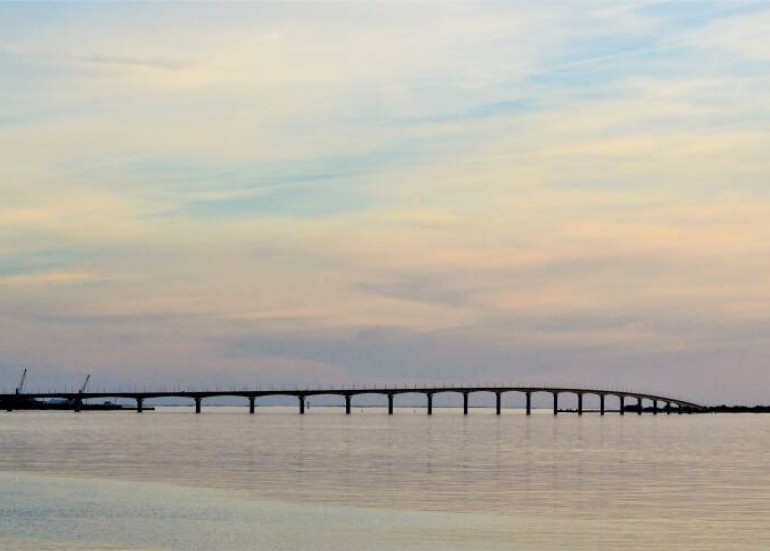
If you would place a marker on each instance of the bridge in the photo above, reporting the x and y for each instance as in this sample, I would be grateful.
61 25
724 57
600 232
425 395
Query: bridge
655 403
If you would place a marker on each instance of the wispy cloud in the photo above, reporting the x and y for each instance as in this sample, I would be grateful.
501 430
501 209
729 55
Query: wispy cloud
526 191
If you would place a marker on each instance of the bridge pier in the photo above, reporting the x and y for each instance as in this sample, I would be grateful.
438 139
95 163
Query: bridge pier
76 401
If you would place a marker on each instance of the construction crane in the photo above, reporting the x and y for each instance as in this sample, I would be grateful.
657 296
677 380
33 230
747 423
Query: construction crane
20 388
85 384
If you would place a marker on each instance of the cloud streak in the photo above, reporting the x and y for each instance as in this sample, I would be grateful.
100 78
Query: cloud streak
467 191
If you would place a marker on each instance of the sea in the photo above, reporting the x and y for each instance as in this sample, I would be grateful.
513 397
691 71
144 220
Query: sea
225 480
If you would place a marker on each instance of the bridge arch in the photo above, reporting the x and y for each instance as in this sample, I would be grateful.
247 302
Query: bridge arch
626 400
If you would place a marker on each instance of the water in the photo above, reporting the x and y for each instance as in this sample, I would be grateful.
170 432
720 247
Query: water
171 479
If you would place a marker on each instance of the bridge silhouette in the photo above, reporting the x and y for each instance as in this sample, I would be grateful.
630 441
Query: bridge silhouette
655 403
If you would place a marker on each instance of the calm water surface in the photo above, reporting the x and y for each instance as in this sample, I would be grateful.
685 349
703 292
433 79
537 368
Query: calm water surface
171 479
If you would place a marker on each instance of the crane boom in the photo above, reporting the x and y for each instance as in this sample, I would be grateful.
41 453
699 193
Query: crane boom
20 388
85 384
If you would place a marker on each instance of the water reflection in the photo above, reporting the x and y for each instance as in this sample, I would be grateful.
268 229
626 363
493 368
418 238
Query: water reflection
683 478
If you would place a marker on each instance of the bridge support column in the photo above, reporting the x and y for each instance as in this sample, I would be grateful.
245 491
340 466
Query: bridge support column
430 403
639 406
390 404
465 403
529 403
622 400
139 405
601 404
580 403
301 399
78 404
556 403
252 404
679 409
668 408
348 399
198 405
654 407
498 402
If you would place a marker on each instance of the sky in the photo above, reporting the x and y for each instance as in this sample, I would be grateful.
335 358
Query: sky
282 194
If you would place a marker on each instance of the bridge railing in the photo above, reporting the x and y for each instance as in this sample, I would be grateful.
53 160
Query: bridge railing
656 403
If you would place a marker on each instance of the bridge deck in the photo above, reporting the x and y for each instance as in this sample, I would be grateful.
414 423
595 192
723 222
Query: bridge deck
7 400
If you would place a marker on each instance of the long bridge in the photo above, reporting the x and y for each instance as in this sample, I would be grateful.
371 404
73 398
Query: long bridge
655 403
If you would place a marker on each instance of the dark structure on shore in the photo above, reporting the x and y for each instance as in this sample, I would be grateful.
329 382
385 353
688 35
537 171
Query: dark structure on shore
21 401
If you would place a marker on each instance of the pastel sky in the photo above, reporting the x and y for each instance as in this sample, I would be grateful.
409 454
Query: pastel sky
324 193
